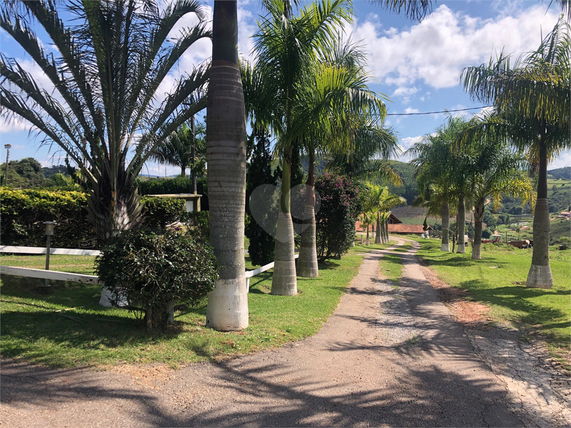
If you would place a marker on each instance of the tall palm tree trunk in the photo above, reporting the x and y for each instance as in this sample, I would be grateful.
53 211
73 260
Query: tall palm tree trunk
386 238
378 233
445 227
539 275
226 155
307 266
478 219
461 225
284 280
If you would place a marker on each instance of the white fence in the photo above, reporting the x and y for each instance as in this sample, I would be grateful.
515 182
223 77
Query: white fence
77 277
42 250
251 273
49 274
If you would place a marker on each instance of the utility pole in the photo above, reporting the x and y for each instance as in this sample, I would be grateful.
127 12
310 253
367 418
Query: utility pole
192 155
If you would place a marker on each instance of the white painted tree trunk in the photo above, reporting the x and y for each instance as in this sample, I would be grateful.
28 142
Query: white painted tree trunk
307 266
445 227
461 222
539 275
226 156
284 280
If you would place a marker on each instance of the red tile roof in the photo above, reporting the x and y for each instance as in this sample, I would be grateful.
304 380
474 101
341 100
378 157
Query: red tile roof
406 228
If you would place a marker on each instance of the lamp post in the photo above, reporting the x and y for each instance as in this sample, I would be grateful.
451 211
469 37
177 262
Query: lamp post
7 147
49 232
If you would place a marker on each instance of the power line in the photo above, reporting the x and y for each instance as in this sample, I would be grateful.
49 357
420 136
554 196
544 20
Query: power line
436 112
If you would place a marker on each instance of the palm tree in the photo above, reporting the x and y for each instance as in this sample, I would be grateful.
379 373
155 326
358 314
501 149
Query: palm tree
435 169
379 200
226 155
105 77
384 201
367 218
492 170
333 99
286 47
531 101
181 149
373 145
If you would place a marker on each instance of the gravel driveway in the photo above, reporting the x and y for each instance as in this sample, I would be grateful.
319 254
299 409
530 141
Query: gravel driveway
389 356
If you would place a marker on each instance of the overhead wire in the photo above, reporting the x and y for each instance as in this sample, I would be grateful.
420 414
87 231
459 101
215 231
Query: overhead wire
436 112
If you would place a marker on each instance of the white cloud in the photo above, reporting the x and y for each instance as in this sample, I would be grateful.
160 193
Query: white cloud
408 142
437 49
13 124
563 160
246 29
409 110
405 144
404 91
158 170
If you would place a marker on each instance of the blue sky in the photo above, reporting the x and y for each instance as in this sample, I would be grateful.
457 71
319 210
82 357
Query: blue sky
416 64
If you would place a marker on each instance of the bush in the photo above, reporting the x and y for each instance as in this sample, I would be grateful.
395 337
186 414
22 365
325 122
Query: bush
24 211
158 212
154 271
335 221
199 221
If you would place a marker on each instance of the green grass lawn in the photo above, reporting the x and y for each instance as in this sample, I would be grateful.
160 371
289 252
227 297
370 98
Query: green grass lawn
74 264
391 267
362 248
68 328
498 280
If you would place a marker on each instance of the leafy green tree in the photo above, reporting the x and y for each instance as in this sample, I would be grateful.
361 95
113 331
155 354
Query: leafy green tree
532 104
105 72
176 268
24 174
379 201
335 221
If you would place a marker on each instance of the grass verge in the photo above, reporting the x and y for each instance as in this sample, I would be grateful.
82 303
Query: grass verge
391 267
60 263
498 280
68 328
362 248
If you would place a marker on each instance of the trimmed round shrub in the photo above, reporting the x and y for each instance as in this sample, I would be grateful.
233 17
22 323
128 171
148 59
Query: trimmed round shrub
154 271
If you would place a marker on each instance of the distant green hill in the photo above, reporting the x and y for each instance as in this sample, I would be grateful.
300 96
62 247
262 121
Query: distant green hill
564 173
408 190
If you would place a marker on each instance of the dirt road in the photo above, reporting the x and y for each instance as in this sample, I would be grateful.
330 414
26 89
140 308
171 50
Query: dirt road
389 356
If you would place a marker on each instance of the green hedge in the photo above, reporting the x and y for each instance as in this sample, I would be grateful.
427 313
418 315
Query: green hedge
159 212
165 186
170 186
22 213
